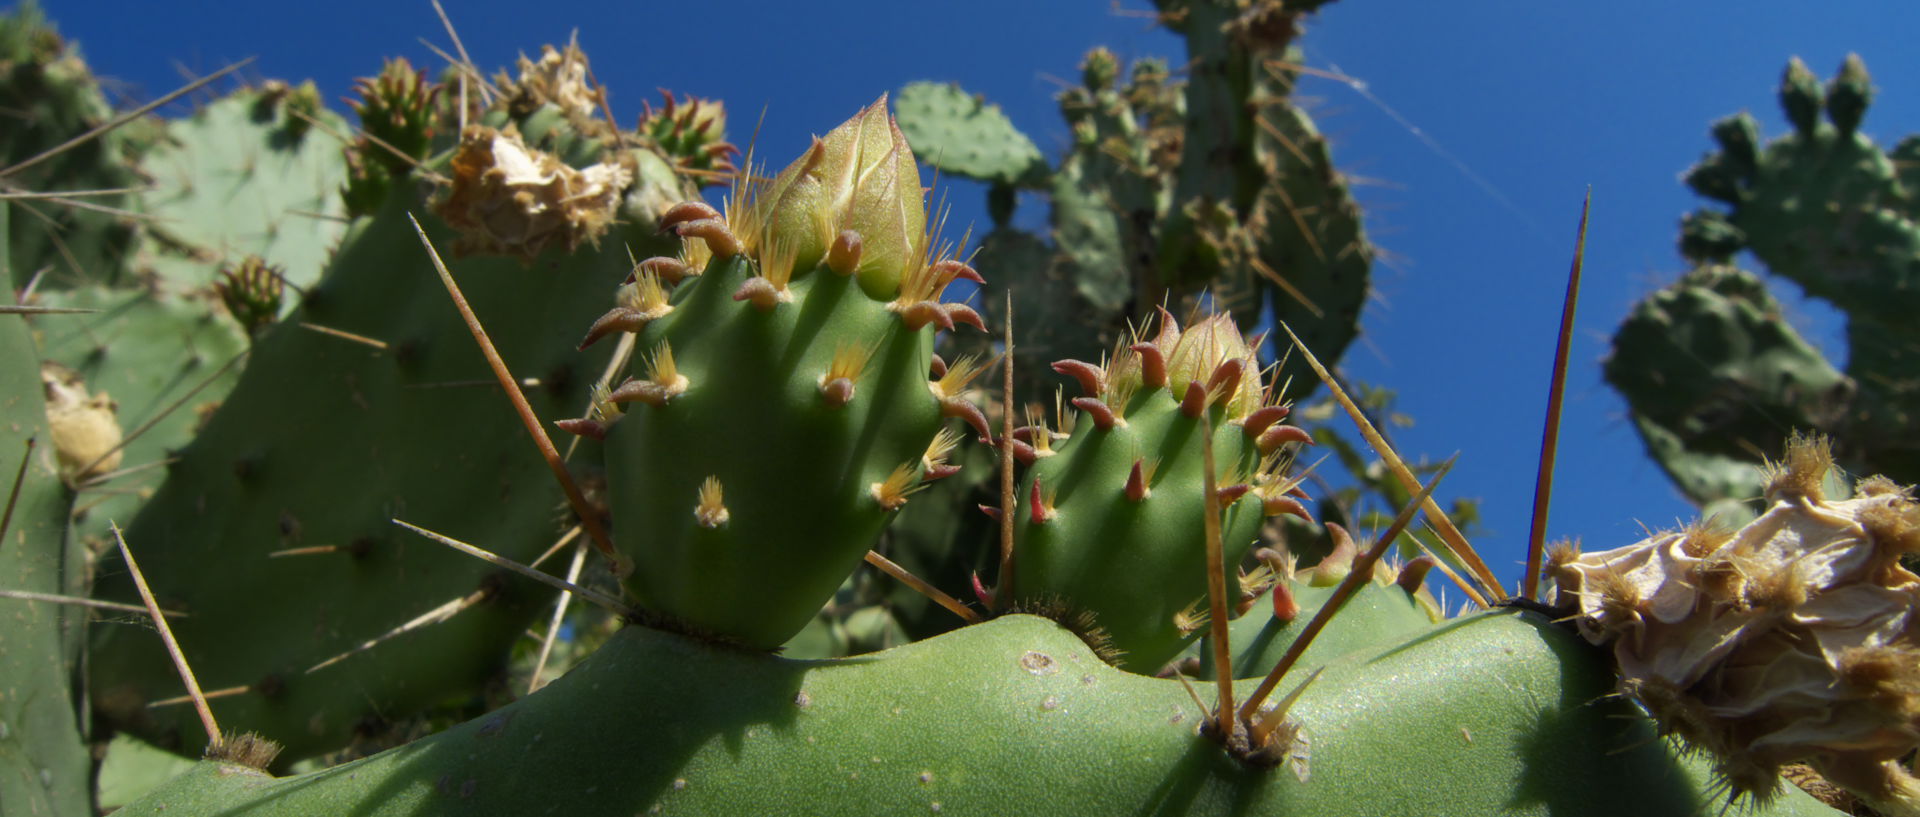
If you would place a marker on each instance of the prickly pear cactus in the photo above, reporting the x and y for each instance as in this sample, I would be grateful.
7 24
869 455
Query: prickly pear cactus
1111 532
43 761
374 376
781 390
1712 373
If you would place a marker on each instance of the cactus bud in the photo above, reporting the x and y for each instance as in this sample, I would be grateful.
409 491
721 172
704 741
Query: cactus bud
1099 70
1801 96
1849 95
1739 138
860 177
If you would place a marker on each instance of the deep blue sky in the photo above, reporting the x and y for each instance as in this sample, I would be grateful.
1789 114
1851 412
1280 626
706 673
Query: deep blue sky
1527 103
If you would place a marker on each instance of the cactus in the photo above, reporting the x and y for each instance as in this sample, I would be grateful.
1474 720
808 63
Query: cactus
43 760
1714 376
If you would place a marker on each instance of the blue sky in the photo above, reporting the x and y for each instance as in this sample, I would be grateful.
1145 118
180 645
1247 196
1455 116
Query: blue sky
1481 124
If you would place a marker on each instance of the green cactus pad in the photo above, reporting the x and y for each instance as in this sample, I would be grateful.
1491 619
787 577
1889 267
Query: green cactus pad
963 135
1497 714
44 765
322 442
244 176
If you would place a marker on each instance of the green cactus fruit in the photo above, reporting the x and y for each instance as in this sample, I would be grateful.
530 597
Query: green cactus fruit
692 132
252 290
1495 714
962 135
1713 372
1110 534
1801 96
164 361
780 411
242 177
1393 607
52 97
1785 641
400 113
359 408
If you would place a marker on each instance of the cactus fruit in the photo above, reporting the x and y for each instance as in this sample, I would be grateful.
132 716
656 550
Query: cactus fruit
692 132
1785 641
400 117
780 410
1110 524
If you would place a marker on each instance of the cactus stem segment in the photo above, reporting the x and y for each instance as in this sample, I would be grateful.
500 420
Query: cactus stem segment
1103 417
892 492
1362 572
1194 402
711 510
1092 379
1153 364
844 256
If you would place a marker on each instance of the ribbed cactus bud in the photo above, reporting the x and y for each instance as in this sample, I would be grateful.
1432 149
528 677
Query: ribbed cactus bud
1739 138
251 292
1849 94
692 132
1785 641
781 411
1801 96
1110 533
1099 70
862 177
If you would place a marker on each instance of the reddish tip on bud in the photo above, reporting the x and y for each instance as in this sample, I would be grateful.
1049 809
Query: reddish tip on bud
670 270
1194 402
950 269
980 591
1137 488
1261 418
992 513
1231 493
1415 573
761 293
1153 364
837 392
939 471
1284 505
1093 379
617 319
844 256
959 314
1280 435
585 427
958 407
937 369
1037 507
1103 417
1226 379
687 211
1169 328
1285 607
720 240
920 313
1022 452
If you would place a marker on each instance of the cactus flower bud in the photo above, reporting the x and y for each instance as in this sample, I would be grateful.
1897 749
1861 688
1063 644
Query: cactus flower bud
860 177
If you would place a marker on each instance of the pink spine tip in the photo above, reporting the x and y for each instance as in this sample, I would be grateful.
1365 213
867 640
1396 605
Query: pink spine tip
1280 435
584 427
1103 417
951 269
1194 402
920 313
1414 573
992 513
1092 379
1037 508
957 407
939 471
687 211
1261 418
937 369
961 314
1226 379
844 256
980 591
670 270
720 240
617 319
1284 506
1285 607
1137 489
1153 364
1231 493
